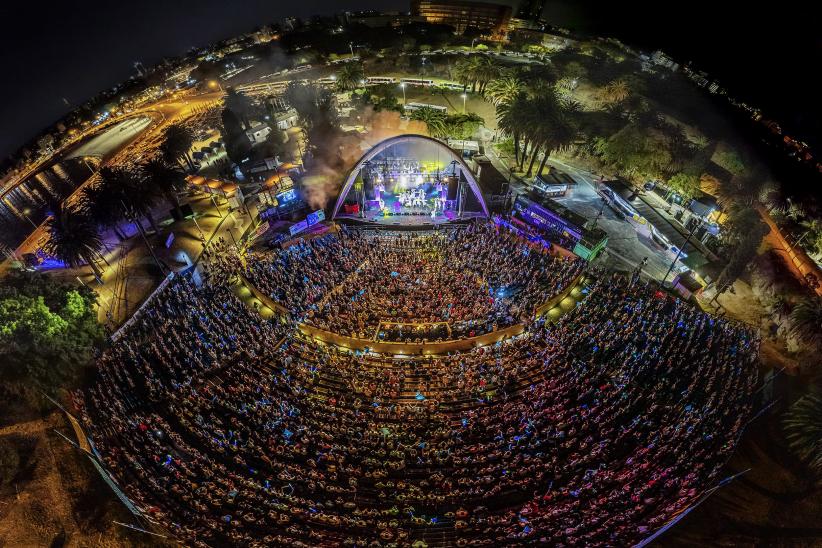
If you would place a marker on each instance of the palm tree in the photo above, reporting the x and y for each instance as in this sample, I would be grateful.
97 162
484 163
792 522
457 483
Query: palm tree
167 180
177 142
103 207
350 77
132 193
504 90
555 127
616 91
563 131
73 238
434 120
512 119
806 321
773 198
803 430
464 73
486 70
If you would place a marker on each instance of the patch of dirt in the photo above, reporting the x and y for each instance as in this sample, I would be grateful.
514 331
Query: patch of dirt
57 498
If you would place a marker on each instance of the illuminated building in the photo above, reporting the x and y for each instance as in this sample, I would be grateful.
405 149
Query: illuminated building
462 14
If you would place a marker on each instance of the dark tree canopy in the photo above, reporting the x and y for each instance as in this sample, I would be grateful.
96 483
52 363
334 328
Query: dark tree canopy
48 334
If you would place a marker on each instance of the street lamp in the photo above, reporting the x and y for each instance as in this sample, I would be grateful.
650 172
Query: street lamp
679 252
402 85
351 45
26 215
200 230
464 97
215 84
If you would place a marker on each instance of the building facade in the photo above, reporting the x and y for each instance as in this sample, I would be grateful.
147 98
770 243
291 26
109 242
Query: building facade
462 14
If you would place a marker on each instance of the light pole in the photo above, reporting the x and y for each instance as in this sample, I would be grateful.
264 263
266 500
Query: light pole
688 239
26 215
464 97
202 236
217 207
215 84
472 43
351 45
402 85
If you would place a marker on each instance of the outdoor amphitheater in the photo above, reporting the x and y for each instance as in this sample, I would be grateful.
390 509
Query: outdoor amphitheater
416 378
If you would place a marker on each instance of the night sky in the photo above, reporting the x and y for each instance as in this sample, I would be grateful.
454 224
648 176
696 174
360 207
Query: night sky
74 49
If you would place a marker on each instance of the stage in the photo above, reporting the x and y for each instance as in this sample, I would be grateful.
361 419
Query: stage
410 180
410 218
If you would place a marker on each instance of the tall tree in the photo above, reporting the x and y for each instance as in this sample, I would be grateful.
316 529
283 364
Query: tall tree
554 127
350 77
433 119
176 146
73 238
48 334
504 90
803 430
512 119
102 205
132 193
742 254
165 179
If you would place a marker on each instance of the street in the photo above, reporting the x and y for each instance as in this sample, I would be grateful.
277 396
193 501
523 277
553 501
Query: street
626 249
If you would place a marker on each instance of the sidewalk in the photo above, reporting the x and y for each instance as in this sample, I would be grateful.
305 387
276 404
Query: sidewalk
131 274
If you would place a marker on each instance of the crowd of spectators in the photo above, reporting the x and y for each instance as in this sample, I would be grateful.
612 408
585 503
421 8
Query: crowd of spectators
595 430
476 279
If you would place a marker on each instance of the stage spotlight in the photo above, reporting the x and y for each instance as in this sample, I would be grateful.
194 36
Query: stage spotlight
419 179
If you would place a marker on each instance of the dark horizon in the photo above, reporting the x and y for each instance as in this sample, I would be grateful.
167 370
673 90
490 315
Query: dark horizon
65 52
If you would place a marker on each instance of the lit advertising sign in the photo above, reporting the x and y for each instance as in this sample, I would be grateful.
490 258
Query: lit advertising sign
296 228
287 196
312 219
316 217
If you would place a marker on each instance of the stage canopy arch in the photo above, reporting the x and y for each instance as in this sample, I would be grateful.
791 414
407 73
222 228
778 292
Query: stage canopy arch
435 163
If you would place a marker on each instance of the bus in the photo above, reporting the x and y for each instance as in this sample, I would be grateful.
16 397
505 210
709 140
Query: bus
620 206
418 106
417 82
552 190
381 80
452 85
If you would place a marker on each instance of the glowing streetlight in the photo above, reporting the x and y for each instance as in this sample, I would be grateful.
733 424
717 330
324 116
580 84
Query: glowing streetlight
402 85
26 215
464 97
215 84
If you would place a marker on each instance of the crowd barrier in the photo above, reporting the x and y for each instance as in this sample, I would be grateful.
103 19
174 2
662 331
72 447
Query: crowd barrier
138 313
412 348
